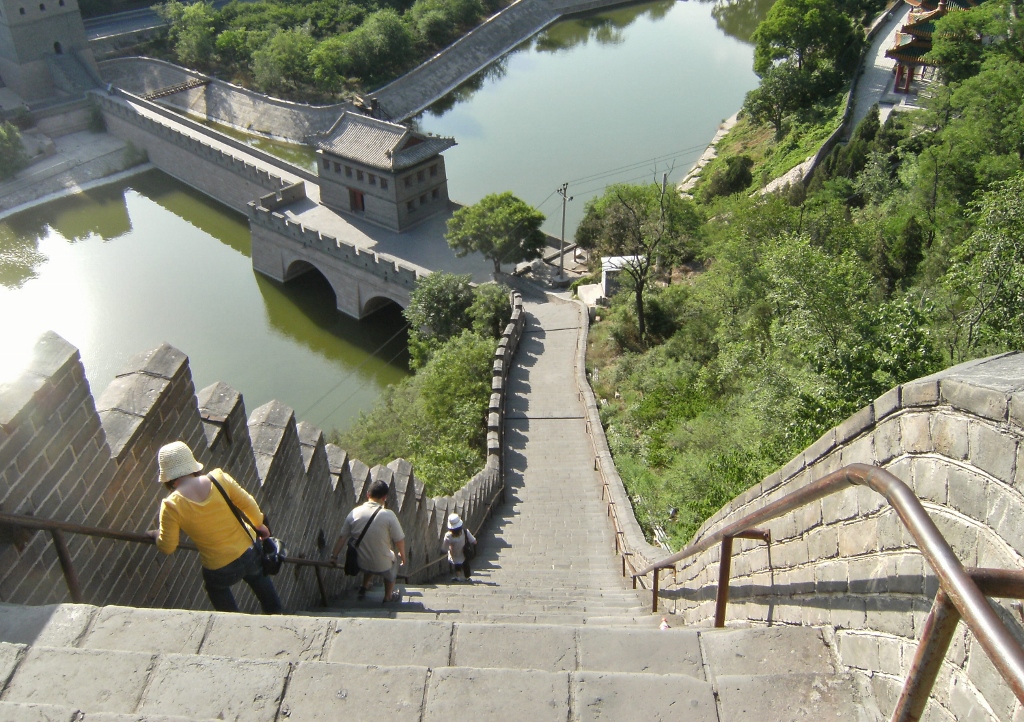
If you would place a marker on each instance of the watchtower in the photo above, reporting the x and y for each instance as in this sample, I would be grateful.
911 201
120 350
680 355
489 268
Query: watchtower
43 47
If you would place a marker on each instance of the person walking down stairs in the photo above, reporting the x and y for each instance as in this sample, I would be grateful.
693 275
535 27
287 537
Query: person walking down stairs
200 506
374 538
454 545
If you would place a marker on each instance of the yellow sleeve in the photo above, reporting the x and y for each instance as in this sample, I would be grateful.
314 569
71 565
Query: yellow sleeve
170 532
242 499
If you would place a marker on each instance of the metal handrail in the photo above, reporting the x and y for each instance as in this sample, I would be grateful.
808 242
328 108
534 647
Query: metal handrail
58 528
955 582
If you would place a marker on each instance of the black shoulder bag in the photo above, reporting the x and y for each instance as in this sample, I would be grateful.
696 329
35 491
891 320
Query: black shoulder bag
352 553
271 549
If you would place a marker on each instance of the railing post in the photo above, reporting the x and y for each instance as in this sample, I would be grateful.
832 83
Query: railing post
320 585
70 576
931 650
724 570
654 589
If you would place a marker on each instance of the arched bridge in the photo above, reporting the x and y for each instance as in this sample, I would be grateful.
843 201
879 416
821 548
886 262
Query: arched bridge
363 281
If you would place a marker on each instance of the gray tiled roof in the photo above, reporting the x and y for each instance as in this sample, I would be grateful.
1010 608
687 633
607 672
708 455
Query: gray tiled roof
381 144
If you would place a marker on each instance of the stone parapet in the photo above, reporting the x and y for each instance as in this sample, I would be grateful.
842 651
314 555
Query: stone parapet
222 102
847 561
66 456
229 179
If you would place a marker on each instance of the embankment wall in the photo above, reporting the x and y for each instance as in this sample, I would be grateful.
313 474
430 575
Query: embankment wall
223 102
847 562
70 456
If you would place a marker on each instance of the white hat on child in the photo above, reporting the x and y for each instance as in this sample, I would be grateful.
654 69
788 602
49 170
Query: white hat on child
454 522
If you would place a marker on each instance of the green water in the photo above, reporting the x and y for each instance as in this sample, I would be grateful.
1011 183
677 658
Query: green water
622 96
123 268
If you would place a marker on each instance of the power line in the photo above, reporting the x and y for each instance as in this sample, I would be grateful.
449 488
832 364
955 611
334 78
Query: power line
632 166
349 397
353 372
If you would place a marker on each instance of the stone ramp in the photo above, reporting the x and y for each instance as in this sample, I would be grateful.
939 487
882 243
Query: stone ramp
420 87
548 553
78 663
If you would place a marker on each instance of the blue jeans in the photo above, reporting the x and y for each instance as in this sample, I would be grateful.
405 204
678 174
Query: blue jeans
247 568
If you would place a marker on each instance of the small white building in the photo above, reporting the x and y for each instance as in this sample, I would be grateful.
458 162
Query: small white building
611 267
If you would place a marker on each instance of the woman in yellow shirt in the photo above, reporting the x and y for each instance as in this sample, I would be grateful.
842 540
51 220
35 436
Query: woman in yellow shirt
226 550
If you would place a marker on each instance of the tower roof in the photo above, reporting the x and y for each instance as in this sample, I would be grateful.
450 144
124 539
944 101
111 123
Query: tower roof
380 144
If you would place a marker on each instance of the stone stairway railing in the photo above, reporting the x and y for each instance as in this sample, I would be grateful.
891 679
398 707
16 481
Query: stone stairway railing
68 457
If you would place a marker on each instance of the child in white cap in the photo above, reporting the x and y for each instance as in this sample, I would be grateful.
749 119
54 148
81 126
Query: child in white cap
454 545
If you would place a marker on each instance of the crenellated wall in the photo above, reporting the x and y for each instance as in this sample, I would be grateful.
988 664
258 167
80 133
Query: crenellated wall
69 456
846 562
217 173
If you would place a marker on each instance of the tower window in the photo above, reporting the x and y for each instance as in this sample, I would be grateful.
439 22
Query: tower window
21 11
58 49
62 3
42 7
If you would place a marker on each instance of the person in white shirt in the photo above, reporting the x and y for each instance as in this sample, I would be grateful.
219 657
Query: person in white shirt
383 533
455 540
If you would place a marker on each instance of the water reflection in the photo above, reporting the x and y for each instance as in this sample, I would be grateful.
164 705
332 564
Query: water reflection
124 268
740 18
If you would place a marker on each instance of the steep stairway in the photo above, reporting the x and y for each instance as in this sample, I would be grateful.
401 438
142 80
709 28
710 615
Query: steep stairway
547 554
78 663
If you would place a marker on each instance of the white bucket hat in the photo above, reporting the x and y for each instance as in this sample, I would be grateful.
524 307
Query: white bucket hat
176 460
454 522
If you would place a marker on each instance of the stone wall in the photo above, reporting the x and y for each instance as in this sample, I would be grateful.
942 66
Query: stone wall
65 455
847 562
219 174
223 102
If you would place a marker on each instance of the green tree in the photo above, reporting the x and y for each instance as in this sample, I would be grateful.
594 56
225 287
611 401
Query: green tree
500 227
644 224
12 153
985 282
957 42
784 89
810 33
192 30
438 310
491 310
283 61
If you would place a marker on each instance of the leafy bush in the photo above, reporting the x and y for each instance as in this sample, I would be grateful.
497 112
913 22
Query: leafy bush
12 153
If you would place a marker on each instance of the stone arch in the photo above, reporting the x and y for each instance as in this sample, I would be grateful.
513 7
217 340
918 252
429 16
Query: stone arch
379 301
300 267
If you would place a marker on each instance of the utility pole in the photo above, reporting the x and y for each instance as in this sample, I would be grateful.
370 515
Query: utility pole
561 246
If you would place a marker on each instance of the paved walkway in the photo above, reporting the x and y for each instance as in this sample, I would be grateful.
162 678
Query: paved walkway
875 84
548 554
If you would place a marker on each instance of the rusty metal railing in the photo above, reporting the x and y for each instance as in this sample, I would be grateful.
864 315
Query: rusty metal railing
959 596
58 529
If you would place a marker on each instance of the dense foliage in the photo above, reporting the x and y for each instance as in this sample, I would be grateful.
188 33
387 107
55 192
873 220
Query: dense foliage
903 256
314 49
437 418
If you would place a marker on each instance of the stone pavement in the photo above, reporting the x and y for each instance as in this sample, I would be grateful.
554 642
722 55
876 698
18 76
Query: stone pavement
79 663
876 81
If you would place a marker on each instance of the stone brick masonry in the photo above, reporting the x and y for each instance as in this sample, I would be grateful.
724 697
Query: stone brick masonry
67 456
956 439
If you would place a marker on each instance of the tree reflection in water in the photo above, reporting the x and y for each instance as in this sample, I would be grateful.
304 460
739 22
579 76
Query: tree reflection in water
739 18
20 235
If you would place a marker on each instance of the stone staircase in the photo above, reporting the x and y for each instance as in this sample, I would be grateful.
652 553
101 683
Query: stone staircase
69 75
79 663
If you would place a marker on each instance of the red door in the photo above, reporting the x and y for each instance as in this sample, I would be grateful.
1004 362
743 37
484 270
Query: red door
355 200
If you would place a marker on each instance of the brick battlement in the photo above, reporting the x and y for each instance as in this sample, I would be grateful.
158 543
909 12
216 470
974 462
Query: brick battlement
67 455
382 266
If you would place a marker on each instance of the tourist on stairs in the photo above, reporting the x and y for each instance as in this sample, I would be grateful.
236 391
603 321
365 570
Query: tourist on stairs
378 530
228 551
454 544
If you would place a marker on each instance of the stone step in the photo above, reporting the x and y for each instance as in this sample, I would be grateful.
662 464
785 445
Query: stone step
75 685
